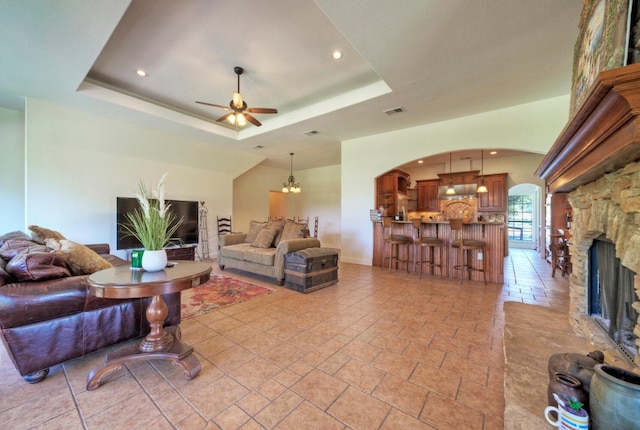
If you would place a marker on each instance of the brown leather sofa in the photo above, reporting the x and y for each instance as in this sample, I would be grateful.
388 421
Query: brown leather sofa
47 322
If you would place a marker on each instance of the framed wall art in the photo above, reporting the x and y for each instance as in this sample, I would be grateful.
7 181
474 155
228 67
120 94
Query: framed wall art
601 45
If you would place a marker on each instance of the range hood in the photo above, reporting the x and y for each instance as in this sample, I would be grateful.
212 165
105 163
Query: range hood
462 191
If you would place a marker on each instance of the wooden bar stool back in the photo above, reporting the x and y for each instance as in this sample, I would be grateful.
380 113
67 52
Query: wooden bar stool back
465 249
393 242
420 242
560 257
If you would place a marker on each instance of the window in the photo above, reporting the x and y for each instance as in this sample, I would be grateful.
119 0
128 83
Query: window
520 217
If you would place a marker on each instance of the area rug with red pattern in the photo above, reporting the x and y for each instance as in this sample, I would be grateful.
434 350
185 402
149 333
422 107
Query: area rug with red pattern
219 291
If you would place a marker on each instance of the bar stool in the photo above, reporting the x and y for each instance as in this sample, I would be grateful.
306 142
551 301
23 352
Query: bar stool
465 248
421 242
560 258
394 241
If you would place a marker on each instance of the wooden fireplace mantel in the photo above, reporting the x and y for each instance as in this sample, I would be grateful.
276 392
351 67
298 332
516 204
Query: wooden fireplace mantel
602 137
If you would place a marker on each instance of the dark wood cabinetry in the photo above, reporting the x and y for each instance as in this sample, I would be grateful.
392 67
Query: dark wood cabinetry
469 177
388 187
495 200
182 253
427 195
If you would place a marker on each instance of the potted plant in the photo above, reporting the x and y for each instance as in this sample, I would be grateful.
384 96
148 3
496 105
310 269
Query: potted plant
153 224
570 412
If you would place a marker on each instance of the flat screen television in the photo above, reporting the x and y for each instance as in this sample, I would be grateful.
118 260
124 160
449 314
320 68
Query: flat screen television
186 234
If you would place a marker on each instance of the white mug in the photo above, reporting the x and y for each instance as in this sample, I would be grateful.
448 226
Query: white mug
566 420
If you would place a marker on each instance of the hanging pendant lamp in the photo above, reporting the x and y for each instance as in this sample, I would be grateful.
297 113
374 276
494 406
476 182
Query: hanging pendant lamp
291 186
482 188
450 190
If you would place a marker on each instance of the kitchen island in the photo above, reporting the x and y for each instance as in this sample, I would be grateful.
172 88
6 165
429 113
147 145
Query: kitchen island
492 233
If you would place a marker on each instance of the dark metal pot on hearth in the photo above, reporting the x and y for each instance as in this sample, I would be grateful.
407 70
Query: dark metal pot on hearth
579 366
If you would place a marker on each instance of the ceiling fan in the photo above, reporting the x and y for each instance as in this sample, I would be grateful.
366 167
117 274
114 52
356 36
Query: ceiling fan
240 112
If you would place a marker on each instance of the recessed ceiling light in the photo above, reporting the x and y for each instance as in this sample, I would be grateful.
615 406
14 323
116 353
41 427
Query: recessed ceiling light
336 55
141 73
420 161
493 152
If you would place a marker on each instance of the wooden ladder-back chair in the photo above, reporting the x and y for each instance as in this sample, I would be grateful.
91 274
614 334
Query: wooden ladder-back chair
224 227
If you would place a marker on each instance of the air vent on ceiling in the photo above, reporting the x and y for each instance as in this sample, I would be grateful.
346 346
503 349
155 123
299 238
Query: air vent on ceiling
311 132
394 111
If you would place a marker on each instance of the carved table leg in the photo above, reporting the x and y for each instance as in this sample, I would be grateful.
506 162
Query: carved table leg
157 339
160 343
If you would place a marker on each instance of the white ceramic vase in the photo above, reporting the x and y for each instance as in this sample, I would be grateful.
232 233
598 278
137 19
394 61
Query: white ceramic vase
152 261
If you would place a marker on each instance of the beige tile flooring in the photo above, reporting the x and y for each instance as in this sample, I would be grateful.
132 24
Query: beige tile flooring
375 351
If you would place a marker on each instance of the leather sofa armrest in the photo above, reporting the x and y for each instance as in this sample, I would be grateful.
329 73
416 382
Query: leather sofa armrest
99 248
231 239
288 246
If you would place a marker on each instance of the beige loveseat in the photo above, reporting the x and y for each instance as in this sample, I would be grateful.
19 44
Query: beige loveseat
263 248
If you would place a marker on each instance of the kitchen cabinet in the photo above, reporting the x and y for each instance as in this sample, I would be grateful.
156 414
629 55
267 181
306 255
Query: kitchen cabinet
495 200
412 193
428 195
390 187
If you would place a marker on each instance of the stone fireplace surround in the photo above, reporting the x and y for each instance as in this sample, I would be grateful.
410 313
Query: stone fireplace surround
595 160
604 207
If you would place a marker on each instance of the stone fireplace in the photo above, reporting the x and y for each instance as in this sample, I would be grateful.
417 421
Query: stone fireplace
604 208
595 160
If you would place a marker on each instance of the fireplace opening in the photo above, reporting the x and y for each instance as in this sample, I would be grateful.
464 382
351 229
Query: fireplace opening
611 295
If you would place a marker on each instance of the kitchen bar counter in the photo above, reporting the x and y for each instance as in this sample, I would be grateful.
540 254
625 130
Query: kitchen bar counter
493 233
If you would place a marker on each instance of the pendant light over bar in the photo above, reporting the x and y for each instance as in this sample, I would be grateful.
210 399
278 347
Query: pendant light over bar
482 187
450 190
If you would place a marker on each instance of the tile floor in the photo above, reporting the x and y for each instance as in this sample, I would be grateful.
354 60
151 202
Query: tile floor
375 351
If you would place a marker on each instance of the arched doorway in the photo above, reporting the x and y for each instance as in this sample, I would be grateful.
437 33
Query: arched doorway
523 216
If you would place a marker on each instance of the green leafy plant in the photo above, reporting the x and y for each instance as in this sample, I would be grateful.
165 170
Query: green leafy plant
573 403
153 224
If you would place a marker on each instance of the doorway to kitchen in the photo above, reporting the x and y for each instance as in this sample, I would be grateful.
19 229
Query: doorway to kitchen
523 216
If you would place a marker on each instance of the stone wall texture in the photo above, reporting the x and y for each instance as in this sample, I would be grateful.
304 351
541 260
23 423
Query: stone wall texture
609 206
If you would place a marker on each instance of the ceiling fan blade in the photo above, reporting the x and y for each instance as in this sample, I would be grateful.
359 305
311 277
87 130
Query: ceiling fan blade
224 117
252 120
262 110
214 105
236 99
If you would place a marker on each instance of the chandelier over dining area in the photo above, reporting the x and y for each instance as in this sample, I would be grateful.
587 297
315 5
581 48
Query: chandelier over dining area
291 186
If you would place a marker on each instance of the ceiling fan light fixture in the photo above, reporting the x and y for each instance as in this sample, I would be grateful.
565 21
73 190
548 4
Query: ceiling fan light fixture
237 119
240 113
237 100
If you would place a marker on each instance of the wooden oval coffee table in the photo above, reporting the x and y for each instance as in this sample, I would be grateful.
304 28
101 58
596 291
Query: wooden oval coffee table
121 282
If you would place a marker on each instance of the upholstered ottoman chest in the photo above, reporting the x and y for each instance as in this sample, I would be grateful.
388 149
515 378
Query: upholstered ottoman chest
310 269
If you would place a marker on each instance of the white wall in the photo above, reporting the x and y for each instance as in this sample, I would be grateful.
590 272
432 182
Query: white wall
77 164
532 127
320 197
12 171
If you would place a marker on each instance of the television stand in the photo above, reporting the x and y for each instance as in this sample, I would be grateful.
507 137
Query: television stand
181 253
